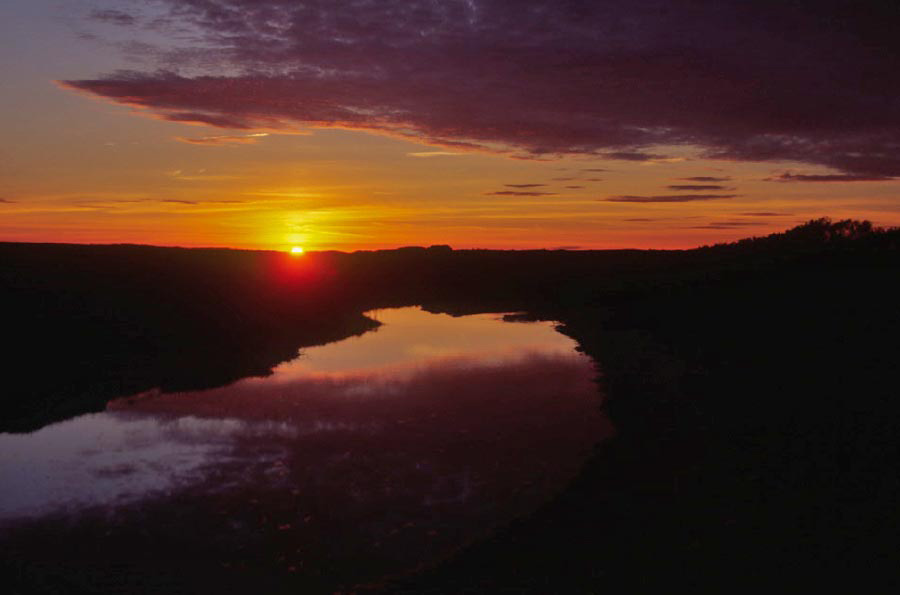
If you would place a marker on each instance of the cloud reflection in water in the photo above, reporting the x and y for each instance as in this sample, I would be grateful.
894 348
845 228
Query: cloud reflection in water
431 431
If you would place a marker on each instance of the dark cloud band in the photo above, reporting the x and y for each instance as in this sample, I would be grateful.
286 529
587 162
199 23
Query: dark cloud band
518 193
789 177
667 197
695 187
812 82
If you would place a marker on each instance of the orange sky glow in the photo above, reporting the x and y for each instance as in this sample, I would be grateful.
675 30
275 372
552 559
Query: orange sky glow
81 164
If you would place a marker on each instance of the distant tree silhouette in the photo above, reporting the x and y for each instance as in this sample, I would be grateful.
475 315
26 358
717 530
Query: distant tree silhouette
826 230
815 233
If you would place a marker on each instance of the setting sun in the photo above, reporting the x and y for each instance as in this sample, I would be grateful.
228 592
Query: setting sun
297 250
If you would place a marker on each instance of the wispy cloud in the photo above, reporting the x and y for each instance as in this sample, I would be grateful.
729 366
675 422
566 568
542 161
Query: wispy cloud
524 185
200 175
113 16
695 187
790 177
518 193
631 156
223 140
706 179
667 198
728 225
434 154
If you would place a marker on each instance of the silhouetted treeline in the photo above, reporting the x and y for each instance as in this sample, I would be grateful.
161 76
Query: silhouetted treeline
103 320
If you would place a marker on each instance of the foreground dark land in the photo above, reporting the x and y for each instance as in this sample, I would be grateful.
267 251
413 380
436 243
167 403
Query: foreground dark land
752 386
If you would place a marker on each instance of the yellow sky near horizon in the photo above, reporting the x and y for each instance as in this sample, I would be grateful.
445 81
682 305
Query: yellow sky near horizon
133 181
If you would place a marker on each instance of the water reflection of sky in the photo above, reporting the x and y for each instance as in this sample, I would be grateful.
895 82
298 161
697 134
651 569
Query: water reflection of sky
409 336
396 445
104 459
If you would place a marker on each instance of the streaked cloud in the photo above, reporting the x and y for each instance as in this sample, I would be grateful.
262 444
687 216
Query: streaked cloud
434 154
223 140
631 156
790 177
518 193
113 17
729 225
201 175
667 197
695 187
706 179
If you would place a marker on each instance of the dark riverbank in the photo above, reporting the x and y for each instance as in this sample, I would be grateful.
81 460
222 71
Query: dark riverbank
753 387
87 324
757 444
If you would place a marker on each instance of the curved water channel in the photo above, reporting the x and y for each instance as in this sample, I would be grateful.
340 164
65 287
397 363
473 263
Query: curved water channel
359 459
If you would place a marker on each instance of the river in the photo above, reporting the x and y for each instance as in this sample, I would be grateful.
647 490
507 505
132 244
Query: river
360 459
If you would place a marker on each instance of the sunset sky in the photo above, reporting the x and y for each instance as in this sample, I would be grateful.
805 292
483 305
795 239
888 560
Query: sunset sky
366 124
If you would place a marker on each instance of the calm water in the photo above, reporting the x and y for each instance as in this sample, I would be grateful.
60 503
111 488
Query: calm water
366 457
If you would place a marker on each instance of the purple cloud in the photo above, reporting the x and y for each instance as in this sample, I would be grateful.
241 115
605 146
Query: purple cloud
812 82
223 140
695 187
211 119
631 156
518 193
667 197
728 225
524 185
705 179
789 177
113 17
